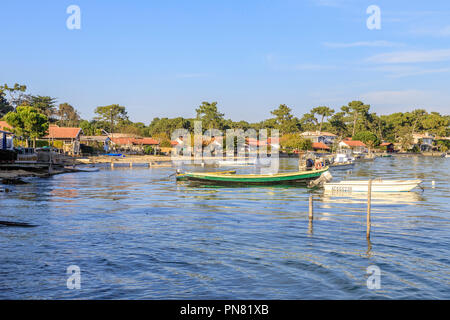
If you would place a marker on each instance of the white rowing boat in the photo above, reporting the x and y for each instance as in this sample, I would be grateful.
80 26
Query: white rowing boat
377 185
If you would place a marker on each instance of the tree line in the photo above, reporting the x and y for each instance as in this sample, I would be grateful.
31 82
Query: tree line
32 114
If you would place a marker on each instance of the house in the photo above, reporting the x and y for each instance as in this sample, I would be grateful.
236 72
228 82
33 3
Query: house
388 145
355 145
103 142
320 136
6 140
320 146
423 141
70 138
136 145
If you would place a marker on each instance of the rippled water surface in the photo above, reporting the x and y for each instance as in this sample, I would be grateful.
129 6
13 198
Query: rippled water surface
137 234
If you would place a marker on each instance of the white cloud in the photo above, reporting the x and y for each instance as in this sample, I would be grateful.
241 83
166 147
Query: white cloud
399 71
411 56
379 43
432 31
403 100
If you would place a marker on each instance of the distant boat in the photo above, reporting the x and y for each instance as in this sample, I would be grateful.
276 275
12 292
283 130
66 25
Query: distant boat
342 165
377 185
342 161
252 179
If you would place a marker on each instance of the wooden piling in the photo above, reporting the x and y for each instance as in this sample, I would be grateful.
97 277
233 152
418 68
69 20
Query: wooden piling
112 165
311 208
369 199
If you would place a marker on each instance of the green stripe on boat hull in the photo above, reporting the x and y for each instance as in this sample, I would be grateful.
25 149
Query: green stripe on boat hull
285 178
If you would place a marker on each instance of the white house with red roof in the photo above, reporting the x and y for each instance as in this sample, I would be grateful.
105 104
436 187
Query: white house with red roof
69 136
324 137
355 145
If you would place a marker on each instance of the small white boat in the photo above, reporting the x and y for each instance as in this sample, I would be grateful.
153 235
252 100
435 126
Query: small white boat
377 185
342 165
342 161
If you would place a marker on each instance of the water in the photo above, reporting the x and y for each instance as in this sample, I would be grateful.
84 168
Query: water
136 234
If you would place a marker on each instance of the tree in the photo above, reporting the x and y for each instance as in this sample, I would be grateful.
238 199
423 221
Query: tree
67 115
210 115
337 122
417 116
294 141
324 112
111 114
368 138
16 93
405 138
5 107
44 104
355 109
309 122
436 124
285 121
28 123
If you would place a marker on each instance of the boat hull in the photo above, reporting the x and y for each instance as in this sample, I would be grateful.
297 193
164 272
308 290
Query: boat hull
249 179
377 186
337 166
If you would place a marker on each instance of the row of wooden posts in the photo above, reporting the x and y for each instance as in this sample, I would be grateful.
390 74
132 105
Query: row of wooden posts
150 164
369 200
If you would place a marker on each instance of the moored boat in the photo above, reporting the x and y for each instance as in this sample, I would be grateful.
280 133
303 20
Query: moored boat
377 185
342 161
182 176
252 179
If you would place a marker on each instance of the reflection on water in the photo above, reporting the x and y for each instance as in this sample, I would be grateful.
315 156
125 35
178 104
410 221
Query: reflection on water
410 198
135 233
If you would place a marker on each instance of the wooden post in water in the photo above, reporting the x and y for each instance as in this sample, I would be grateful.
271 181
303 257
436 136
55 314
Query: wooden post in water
311 208
112 165
369 199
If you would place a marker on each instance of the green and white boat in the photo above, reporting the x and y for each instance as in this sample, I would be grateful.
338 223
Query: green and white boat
251 179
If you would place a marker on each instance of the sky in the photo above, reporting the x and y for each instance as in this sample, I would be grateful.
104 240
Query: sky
163 58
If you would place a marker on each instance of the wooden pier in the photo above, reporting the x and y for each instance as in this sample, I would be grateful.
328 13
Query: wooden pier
130 161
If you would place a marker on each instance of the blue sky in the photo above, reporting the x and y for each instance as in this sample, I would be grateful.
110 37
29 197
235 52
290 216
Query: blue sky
163 58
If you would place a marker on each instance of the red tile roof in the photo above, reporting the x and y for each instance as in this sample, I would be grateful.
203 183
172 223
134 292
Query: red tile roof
5 126
56 132
384 144
146 141
320 145
354 143
134 141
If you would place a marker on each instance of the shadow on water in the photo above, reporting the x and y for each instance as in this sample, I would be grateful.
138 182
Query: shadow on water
16 224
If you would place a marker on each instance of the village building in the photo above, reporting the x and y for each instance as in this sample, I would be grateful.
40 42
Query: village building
355 145
320 136
6 140
134 145
320 146
388 145
97 142
423 141
70 138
